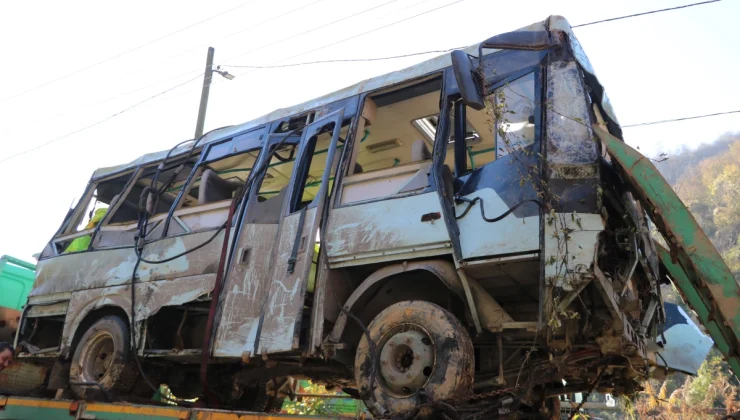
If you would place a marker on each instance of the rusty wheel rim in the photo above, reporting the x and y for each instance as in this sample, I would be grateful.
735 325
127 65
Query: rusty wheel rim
97 356
406 358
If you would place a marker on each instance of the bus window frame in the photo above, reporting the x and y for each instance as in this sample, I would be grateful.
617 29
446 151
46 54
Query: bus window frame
349 156
246 138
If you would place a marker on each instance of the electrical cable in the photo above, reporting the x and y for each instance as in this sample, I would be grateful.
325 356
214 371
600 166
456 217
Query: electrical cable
341 60
282 159
310 30
150 63
239 197
472 202
342 40
143 221
247 29
681 119
139 245
175 87
161 166
644 13
124 53
665 364
411 17
99 121
364 33
73 109
182 254
277 65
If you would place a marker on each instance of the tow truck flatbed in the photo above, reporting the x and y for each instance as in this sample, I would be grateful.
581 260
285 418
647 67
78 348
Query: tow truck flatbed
24 408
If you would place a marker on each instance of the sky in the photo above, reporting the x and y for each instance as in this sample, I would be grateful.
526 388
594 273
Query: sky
655 67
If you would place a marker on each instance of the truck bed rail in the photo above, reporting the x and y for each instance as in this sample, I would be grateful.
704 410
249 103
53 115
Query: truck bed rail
21 408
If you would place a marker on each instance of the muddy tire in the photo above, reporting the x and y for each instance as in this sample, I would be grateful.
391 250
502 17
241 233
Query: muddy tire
101 356
421 352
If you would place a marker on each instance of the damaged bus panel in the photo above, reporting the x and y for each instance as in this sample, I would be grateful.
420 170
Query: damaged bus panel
461 231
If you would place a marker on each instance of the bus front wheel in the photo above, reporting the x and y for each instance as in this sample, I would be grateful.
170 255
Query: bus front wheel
414 352
100 367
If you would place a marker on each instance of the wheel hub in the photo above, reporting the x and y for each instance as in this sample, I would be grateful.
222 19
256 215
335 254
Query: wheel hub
407 361
97 357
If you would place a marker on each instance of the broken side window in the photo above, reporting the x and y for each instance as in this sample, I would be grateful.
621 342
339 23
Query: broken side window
514 109
223 171
207 198
219 180
274 183
393 151
506 125
89 212
400 133
167 181
308 180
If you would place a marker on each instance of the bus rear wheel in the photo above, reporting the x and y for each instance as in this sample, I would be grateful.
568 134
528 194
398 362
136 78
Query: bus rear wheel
100 367
420 353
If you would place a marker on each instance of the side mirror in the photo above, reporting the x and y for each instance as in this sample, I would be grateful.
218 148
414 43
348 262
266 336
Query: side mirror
467 80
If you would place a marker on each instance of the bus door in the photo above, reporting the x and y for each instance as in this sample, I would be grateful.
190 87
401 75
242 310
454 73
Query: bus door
283 306
248 275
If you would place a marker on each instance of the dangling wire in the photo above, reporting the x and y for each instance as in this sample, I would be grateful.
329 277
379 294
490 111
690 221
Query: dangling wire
147 206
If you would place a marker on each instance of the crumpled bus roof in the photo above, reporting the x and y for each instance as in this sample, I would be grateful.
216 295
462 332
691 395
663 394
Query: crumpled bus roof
412 72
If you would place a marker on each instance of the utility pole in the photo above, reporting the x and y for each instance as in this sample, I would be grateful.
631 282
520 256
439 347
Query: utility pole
207 77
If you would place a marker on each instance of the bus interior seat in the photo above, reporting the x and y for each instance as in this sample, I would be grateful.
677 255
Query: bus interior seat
214 188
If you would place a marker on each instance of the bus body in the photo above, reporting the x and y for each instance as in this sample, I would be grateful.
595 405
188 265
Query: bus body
452 228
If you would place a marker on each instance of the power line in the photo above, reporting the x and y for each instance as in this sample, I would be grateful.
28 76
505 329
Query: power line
177 55
248 52
681 119
373 30
311 30
68 111
645 13
277 65
100 121
256 67
250 28
124 53
341 60
181 84
274 63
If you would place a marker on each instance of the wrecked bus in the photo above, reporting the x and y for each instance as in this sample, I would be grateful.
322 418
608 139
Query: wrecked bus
461 232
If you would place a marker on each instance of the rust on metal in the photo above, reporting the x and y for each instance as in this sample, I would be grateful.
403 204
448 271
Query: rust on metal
151 297
113 267
492 315
244 290
22 377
